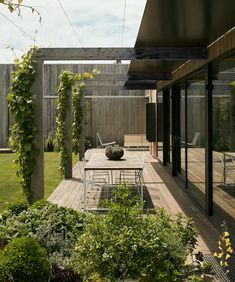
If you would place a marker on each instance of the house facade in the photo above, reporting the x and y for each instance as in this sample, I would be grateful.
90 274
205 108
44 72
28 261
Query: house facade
194 75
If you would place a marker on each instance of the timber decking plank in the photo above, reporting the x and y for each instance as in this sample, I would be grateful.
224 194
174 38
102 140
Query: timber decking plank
58 192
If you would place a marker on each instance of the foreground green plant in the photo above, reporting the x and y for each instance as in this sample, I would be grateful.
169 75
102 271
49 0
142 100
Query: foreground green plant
126 244
56 229
24 260
24 130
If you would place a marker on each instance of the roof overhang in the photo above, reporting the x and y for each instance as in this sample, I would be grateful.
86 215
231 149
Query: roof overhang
172 24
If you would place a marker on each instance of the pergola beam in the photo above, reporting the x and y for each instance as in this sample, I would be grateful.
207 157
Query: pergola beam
141 85
150 76
168 53
132 76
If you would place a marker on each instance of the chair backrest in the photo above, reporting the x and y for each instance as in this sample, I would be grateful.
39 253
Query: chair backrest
227 162
195 138
99 138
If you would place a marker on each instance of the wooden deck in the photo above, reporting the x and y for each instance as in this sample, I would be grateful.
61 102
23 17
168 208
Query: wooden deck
223 194
161 191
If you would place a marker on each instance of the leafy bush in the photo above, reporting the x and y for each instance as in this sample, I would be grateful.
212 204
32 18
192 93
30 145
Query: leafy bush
88 143
16 208
219 144
24 260
55 228
40 204
50 144
126 244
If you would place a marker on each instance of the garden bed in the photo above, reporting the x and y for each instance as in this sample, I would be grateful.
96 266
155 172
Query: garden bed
123 244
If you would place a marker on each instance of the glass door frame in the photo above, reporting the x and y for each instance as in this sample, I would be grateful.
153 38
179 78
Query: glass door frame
175 118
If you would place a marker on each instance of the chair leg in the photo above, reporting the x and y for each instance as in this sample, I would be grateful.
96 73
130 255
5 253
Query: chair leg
225 176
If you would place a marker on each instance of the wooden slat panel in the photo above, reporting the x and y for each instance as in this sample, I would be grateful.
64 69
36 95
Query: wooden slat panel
112 118
5 74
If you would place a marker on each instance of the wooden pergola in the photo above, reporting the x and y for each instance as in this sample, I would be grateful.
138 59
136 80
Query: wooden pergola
134 81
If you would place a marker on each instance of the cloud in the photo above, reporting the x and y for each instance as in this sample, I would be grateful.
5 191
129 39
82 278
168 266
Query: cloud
98 23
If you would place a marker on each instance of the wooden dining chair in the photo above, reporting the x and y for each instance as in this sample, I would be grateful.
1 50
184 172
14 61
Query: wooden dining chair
101 144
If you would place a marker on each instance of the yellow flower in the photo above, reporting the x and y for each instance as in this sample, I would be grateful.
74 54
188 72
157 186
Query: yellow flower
226 234
227 242
227 256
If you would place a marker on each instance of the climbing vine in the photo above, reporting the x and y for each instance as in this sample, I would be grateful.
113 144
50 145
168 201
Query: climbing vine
68 81
17 6
77 114
22 109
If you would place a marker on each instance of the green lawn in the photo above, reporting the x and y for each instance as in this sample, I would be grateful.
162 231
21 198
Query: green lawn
10 189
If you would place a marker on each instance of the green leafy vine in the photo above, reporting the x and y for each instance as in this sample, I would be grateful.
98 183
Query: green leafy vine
22 109
78 113
68 81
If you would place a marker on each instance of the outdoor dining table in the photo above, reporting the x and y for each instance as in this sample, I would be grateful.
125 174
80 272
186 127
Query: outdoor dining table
99 162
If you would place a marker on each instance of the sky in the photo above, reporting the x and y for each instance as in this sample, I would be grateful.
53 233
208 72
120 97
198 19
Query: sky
97 23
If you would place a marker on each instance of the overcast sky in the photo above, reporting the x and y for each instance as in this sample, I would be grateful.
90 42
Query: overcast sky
98 23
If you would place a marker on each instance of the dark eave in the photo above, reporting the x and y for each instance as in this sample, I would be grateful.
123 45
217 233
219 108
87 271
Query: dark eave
188 24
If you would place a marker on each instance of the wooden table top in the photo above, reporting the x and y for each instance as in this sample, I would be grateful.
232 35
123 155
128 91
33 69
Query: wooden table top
98 161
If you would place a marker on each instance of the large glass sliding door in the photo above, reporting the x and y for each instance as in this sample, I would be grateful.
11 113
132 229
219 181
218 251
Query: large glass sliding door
175 129
196 116
183 132
178 131
184 129
224 140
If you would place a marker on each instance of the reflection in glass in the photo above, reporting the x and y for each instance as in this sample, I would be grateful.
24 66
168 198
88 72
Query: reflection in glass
170 114
224 140
196 137
182 132
160 116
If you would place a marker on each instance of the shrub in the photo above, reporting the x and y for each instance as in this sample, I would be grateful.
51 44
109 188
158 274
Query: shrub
17 207
88 143
50 144
55 228
24 260
40 204
126 244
